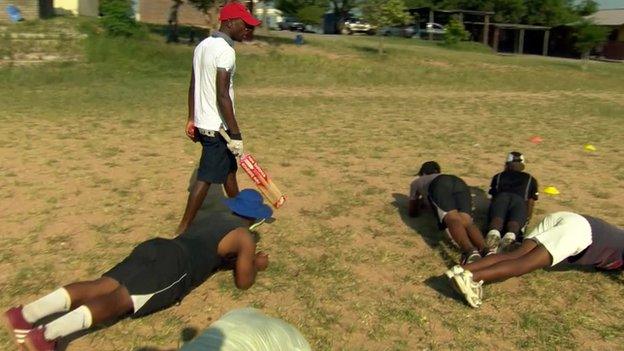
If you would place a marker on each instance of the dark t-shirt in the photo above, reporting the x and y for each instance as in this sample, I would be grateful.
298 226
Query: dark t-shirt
201 243
519 183
607 248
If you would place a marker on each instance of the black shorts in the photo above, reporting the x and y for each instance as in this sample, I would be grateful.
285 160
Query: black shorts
217 161
509 207
447 193
155 274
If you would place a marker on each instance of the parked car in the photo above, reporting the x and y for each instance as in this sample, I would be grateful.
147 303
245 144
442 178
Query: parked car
291 23
405 31
357 25
437 31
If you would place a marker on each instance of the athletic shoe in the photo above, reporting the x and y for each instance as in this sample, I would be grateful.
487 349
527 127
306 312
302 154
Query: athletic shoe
471 291
17 325
471 257
36 341
507 241
454 271
492 240
491 251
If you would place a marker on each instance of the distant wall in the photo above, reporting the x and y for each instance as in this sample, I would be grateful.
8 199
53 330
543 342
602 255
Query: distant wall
29 9
77 7
88 8
66 6
158 11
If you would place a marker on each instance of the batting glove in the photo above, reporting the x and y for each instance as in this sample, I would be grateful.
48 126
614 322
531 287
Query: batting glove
236 146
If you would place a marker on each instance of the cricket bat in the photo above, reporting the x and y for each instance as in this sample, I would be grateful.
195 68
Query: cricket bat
263 181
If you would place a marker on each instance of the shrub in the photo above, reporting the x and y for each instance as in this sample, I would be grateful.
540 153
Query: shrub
455 32
118 17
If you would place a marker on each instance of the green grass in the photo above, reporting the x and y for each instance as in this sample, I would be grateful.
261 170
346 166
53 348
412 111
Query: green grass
94 160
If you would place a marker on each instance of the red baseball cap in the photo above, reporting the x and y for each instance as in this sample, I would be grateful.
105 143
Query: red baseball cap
235 10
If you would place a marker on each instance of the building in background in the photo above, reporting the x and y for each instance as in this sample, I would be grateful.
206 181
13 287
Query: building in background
77 7
613 19
30 9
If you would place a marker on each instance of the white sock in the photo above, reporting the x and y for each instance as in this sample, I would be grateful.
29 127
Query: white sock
56 301
76 320
494 232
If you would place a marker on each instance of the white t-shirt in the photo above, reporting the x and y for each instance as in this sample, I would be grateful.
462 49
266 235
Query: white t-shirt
212 53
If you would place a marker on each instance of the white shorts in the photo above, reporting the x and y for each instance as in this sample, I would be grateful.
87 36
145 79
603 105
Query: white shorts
563 234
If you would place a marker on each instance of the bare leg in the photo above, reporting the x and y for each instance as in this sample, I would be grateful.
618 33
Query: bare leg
491 260
496 223
537 258
110 306
231 185
513 227
82 292
458 232
474 234
195 200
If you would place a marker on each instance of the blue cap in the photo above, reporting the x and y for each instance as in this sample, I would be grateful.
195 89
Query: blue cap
249 203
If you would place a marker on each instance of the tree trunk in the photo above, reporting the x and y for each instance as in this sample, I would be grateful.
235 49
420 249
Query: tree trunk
173 36
585 59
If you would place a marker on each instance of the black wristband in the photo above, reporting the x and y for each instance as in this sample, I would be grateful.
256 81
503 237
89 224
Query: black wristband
236 136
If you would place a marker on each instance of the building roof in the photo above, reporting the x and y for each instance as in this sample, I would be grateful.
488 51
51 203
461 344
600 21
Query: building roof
613 17
467 12
511 25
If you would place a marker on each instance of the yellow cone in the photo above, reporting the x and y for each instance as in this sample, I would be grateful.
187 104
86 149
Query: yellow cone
551 190
589 147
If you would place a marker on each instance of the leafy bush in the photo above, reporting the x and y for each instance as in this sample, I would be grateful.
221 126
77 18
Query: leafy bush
118 17
455 32
588 36
311 14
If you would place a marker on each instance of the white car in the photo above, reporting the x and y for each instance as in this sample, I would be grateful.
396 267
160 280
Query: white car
356 25
437 31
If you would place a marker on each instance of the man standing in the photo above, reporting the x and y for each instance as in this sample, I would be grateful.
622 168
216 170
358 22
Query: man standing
157 274
211 107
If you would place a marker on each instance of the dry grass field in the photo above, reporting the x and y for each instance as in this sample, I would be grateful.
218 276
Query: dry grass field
93 160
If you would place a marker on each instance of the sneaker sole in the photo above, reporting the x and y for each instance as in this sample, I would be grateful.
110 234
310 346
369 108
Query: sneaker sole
465 292
493 241
506 245
9 327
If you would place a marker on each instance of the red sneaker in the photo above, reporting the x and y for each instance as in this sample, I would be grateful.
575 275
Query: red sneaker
36 341
17 325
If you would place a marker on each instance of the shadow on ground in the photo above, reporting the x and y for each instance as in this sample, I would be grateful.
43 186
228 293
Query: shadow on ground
212 203
617 275
425 224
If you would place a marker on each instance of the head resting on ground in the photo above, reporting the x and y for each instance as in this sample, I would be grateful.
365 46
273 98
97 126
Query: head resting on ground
429 167
249 205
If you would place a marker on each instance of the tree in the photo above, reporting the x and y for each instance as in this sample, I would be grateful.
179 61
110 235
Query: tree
311 14
586 7
292 7
172 36
550 12
588 36
412 4
455 32
209 9
118 17
342 8
385 13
